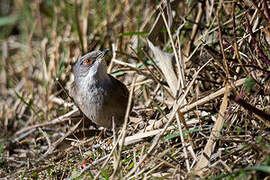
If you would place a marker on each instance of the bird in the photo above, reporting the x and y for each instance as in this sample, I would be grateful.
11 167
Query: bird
100 97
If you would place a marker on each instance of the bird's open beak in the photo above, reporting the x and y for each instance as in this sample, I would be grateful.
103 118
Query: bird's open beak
102 54
105 51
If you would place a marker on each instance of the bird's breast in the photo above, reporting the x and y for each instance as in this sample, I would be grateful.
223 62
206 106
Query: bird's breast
90 99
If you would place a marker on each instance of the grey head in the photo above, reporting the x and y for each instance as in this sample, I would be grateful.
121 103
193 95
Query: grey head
91 65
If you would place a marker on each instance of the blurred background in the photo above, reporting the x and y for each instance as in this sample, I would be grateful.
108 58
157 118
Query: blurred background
40 40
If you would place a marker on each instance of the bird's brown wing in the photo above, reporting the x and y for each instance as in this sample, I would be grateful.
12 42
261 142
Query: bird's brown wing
119 95
122 88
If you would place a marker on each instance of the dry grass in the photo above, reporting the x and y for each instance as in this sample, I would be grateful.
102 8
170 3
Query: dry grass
198 72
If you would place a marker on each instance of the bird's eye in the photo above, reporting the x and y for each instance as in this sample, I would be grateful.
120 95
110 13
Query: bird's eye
88 61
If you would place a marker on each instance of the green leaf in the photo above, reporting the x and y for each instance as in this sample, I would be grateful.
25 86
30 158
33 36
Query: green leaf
160 110
8 20
174 135
262 168
131 165
249 83
133 33
1 151
34 175
170 136
26 103
117 73
139 65
61 68
105 175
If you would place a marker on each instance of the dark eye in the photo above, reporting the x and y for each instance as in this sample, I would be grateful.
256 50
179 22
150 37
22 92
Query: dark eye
88 61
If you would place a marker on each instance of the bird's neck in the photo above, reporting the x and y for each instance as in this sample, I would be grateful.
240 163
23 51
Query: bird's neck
101 73
95 76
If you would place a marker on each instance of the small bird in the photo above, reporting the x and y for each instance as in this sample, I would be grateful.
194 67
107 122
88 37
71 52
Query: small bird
100 96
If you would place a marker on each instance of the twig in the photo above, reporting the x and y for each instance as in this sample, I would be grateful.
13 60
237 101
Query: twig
119 138
266 10
124 129
210 146
225 64
55 144
265 59
60 119
152 74
178 103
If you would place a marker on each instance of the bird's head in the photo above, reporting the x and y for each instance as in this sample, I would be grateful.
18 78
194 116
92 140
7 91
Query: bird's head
91 65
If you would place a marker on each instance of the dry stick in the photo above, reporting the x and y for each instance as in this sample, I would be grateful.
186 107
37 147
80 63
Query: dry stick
253 18
55 144
180 79
265 58
142 135
235 41
154 64
210 97
145 173
133 67
133 57
258 9
115 154
221 44
46 137
113 57
210 146
182 119
60 119
134 157
23 135
182 63
262 116
169 13
194 28
158 24
175 53
141 155
3 71
122 132
202 101
217 59
265 5
157 137
84 23
152 74
214 29
183 140
124 63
